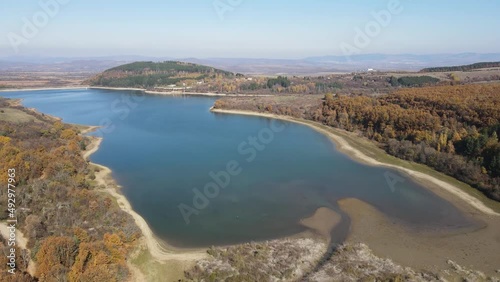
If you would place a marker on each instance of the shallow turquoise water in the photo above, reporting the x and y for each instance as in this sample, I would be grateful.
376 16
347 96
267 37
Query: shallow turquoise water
161 148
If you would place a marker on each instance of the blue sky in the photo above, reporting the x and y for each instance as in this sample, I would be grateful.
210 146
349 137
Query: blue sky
247 28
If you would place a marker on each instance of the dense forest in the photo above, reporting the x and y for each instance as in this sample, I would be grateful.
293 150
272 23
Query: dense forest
75 232
167 67
453 129
412 81
464 68
282 81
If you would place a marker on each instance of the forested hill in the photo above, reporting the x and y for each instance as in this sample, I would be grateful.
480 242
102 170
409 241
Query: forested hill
152 74
464 68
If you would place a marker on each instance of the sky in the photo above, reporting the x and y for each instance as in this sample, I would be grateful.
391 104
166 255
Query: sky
247 28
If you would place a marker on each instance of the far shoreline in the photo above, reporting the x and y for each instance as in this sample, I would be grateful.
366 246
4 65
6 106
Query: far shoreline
43 88
180 93
145 91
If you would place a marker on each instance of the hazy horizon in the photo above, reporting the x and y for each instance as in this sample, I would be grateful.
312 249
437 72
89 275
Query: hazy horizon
246 29
145 56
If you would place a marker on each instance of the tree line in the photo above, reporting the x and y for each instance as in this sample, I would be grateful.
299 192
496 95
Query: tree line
464 67
412 81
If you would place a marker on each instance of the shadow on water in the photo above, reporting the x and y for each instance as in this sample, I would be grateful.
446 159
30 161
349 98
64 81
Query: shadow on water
338 236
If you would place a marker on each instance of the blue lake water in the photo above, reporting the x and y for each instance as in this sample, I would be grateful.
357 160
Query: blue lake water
162 148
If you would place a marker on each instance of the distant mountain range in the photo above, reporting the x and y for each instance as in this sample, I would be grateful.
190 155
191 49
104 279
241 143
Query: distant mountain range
311 65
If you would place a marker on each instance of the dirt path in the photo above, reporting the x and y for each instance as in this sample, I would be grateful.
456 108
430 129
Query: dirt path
344 146
88 130
21 242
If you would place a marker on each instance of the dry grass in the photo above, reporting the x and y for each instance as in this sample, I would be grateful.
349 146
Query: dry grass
277 260
358 263
20 80
15 115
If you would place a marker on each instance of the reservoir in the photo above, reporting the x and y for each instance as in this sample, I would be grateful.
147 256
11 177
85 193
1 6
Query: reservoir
201 179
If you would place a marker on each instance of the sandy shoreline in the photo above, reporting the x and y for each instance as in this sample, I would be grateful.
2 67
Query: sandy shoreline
478 248
116 88
159 250
344 146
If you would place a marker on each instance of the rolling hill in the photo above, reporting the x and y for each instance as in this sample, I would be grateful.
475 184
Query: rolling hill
155 74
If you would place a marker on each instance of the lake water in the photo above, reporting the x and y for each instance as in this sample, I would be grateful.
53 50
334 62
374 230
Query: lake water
161 148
